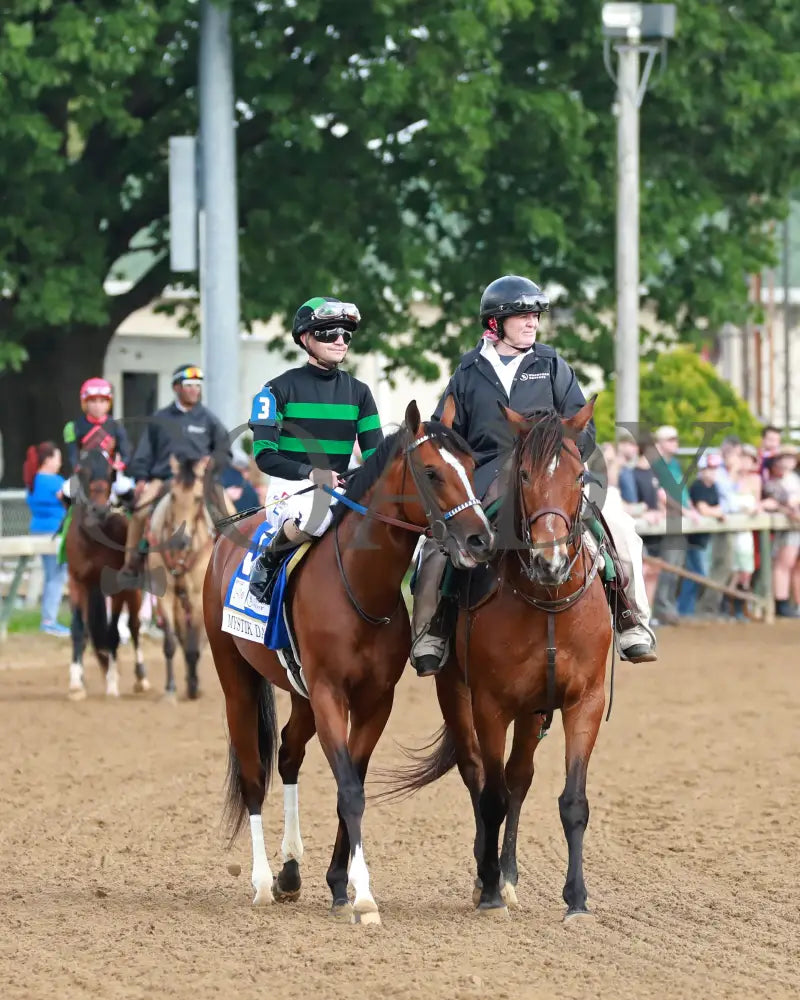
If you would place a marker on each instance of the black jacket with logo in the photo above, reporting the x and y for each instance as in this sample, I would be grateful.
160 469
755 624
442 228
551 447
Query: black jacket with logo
543 380
191 433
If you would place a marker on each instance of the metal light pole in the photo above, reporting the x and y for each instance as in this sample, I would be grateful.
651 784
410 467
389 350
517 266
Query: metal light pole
626 362
219 239
631 28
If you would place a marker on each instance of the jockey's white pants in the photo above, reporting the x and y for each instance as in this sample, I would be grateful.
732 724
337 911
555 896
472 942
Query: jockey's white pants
309 512
629 550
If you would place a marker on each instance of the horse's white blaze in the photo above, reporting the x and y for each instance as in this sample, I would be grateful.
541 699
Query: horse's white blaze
551 468
112 679
262 873
292 845
359 876
557 550
461 472
75 677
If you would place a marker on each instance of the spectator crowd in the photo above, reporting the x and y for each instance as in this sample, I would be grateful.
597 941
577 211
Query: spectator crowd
734 478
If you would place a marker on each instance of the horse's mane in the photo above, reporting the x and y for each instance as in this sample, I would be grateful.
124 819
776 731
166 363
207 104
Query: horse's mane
185 476
373 468
543 441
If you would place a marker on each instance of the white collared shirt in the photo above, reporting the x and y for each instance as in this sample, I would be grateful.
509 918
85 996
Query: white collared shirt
507 372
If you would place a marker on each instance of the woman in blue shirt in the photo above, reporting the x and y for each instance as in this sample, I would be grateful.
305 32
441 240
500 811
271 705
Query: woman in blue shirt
44 484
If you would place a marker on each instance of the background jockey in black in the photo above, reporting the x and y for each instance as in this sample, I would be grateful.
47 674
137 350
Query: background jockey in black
184 428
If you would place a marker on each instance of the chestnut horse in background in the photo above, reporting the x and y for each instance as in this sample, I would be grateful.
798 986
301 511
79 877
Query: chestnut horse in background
95 550
354 639
539 643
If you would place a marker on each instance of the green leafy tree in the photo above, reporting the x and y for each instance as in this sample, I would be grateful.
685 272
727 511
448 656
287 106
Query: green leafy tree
387 150
680 389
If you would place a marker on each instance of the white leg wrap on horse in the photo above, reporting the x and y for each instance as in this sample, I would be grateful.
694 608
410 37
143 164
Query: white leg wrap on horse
112 679
292 846
262 873
359 877
75 677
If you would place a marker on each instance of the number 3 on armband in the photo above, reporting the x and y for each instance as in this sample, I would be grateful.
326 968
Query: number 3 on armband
264 408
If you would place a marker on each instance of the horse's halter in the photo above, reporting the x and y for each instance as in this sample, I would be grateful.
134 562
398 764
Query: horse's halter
573 539
437 519
437 523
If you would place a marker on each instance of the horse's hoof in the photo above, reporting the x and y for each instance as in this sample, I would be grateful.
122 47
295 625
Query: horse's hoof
112 692
77 694
169 698
141 685
263 895
572 915
366 912
193 693
509 895
284 895
493 910
476 893
342 912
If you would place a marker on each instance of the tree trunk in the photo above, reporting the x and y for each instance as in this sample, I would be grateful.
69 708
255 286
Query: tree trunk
37 401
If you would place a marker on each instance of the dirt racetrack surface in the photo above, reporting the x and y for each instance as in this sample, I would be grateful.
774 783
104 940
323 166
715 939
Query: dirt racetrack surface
114 877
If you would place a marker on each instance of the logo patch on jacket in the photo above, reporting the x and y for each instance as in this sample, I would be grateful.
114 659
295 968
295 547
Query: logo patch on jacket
530 376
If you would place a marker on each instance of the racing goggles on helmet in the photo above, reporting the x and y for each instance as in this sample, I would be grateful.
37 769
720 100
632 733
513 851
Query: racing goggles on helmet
332 334
191 375
527 304
336 310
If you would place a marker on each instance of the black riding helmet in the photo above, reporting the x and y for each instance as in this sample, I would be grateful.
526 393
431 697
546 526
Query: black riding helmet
512 295
323 312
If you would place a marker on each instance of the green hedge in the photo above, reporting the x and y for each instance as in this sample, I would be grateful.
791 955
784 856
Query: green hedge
679 388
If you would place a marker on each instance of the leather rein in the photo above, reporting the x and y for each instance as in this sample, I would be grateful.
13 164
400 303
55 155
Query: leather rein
436 527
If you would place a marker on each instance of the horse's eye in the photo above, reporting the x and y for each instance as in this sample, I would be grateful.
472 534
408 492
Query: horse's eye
433 475
525 476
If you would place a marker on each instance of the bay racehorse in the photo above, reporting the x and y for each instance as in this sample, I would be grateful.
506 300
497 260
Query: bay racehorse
181 539
537 644
354 639
95 550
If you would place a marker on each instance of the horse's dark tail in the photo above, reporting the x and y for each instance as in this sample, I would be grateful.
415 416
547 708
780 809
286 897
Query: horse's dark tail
425 768
235 812
98 619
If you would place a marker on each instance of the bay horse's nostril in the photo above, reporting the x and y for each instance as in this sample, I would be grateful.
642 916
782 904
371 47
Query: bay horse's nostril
479 544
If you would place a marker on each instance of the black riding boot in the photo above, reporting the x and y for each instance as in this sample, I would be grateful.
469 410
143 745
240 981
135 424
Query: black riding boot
265 568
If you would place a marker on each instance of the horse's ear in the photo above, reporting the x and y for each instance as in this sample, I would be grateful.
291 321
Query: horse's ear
519 423
449 411
174 466
201 465
579 421
413 419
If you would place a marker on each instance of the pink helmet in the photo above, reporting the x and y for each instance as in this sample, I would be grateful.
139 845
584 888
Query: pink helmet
94 387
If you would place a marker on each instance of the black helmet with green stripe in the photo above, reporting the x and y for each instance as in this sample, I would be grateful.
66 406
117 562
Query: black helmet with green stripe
322 312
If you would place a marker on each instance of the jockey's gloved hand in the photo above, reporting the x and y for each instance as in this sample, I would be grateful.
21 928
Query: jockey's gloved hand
325 477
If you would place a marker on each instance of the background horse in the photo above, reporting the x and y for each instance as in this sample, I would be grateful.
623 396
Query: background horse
95 548
181 539
354 639
539 643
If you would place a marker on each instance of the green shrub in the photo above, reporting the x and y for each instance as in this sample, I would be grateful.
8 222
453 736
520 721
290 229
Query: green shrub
680 389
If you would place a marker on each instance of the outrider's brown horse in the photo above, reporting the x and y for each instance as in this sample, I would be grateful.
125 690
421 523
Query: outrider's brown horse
95 548
538 644
354 639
